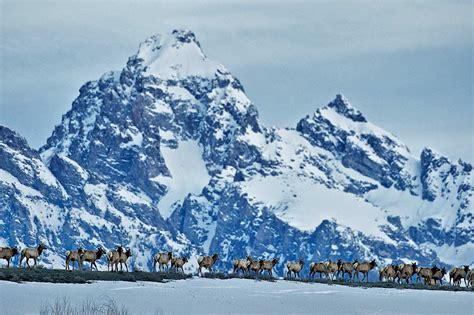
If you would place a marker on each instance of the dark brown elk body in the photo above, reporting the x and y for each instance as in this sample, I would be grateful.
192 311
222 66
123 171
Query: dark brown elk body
178 263
267 265
438 275
8 253
255 266
112 256
242 265
31 253
406 271
388 273
122 259
364 268
426 274
73 256
319 267
162 259
207 262
92 256
332 268
295 268
346 268
458 274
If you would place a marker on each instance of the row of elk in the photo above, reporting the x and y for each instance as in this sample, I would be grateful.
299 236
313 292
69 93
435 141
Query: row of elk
257 266
332 270
393 273
340 270
429 275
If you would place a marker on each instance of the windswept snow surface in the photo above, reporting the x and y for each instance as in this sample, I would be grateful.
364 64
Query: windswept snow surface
236 296
188 174
305 204
169 57
10 180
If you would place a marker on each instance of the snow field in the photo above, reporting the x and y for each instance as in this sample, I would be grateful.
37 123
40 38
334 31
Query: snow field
237 296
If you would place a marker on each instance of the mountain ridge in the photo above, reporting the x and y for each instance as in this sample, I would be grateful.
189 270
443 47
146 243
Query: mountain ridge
121 155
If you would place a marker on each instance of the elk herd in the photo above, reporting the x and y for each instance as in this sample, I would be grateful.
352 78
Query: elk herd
248 265
332 270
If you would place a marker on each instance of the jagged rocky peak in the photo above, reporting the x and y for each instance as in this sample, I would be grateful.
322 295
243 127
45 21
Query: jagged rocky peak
122 126
11 139
342 106
437 171
430 157
340 119
19 163
185 36
175 56
175 39
344 131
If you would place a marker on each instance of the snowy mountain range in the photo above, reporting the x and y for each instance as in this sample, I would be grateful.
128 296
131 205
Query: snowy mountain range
170 154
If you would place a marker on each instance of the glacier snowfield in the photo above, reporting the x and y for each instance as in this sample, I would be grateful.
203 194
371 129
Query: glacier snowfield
236 296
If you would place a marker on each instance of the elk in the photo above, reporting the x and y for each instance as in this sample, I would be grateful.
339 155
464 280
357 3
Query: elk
439 275
319 267
91 256
113 255
331 268
457 274
242 265
32 253
406 271
122 259
207 262
426 274
73 256
295 268
8 253
178 263
364 268
451 274
383 273
256 266
388 272
267 265
346 268
162 259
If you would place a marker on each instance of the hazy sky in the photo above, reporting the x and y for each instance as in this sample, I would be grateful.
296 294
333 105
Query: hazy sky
406 65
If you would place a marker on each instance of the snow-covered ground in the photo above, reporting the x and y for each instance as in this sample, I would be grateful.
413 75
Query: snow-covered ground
211 296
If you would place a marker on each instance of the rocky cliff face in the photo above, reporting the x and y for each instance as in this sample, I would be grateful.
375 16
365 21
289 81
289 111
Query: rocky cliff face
169 154
31 198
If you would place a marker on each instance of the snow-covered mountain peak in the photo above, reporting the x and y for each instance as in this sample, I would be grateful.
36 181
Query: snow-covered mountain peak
342 106
21 167
11 138
339 124
185 36
437 170
169 154
175 56
432 156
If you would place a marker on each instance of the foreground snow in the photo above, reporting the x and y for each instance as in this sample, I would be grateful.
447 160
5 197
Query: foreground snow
198 296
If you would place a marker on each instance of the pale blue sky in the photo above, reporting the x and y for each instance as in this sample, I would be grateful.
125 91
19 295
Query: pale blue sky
407 65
